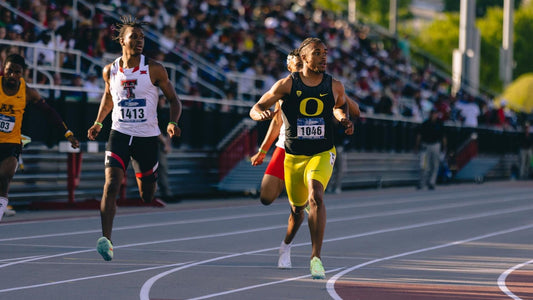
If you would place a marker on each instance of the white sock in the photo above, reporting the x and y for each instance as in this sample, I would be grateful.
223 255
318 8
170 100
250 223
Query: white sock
3 206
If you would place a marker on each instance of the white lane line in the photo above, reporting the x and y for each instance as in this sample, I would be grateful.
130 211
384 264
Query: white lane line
259 285
19 258
503 277
88 277
391 213
159 224
146 243
409 199
474 216
145 289
394 212
330 286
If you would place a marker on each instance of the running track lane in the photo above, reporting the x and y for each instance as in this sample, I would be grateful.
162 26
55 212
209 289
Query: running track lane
521 282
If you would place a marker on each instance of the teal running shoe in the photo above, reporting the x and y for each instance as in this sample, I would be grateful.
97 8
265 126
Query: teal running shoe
317 270
105 248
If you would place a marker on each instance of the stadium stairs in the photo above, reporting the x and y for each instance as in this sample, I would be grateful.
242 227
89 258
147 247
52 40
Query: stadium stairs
43 176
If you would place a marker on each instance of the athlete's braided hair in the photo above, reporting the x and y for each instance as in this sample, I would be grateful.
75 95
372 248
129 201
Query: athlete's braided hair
125 22
308 41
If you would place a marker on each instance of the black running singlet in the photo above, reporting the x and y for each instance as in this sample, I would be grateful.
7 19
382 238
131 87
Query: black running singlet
308 113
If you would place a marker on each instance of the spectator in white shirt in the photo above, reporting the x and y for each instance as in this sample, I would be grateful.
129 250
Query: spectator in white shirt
469 111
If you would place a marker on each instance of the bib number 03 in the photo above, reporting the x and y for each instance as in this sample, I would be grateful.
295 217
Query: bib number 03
7 123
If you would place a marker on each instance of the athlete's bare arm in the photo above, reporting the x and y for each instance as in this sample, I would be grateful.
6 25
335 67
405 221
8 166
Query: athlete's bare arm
340 108
106 105
271 135
33 97
353 107
159 77
260 111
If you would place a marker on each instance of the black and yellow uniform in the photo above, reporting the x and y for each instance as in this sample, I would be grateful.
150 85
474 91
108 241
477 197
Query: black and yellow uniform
310 152
11 113
308 114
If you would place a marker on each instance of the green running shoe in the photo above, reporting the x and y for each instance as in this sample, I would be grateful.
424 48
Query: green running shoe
105 248
317 270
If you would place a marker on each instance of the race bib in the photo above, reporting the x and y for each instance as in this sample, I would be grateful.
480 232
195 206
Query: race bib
132 110
7 123
311 128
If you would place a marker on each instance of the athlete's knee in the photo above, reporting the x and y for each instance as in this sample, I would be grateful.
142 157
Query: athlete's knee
316 200
266 200
297 211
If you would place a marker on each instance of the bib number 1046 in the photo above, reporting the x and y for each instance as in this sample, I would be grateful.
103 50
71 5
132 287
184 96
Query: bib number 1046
311 128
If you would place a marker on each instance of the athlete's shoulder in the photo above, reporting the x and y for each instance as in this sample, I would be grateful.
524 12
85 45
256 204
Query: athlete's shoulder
153 63
107 71
335 83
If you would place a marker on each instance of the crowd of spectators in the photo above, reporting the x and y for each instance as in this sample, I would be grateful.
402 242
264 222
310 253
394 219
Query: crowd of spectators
251 39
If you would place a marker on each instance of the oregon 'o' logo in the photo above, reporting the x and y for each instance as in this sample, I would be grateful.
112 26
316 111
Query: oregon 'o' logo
305 104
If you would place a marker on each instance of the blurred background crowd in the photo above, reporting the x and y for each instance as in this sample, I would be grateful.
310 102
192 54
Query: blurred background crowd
249 40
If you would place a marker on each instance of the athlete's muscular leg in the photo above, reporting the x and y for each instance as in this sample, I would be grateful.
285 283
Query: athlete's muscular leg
146 190
317 216
296 218
271 188
108 206
8 166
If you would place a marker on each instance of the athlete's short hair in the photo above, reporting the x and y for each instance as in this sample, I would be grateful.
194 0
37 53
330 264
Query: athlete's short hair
293 53
16 59
125 22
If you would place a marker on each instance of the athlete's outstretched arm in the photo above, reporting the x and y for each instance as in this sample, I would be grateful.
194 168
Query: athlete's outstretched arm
33 96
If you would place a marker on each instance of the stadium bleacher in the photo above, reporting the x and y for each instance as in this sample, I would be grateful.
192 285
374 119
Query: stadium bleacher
221 59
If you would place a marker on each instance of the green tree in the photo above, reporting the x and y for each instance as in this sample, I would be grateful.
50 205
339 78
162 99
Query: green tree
491 30
374 11
523 47
482 6
440 37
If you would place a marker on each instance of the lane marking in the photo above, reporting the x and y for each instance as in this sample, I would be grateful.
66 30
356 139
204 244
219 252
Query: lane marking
503 277
341 207
401 211
87 278
442 221
330 286
145 289
19 258
259 285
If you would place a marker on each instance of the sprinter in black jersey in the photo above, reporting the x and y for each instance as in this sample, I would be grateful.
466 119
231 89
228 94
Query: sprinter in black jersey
311 99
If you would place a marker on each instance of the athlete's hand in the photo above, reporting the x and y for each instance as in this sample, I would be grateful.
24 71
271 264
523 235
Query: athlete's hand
348 125
173 130
93 132
73 142
258 158
267 114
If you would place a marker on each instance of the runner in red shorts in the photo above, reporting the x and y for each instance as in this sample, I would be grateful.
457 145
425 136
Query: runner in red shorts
273 180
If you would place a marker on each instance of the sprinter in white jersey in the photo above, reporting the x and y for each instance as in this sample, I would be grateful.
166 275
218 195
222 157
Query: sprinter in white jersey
132 83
